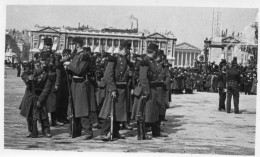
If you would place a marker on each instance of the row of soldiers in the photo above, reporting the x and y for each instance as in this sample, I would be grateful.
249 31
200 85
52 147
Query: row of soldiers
116 88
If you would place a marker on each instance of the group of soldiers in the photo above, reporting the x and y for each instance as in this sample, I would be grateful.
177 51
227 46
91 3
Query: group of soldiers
118 89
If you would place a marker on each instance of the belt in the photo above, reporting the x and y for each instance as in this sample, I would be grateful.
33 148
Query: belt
157 84
121 84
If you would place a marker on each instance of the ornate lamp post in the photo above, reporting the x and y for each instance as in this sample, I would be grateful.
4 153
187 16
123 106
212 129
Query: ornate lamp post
206 51
142 38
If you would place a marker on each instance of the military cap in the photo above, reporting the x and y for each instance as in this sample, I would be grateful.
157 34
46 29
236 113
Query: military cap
78 40
105 54
152 47
47 41
68 51
125 44
234 63
135 55
87 49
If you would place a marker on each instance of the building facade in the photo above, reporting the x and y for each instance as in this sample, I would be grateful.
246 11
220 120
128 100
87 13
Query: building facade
100 41
229 47
185 54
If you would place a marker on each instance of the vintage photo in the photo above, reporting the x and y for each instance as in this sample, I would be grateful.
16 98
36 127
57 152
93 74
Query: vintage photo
131 78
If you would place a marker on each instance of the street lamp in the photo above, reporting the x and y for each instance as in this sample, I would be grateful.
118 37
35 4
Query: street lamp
142 38
206 51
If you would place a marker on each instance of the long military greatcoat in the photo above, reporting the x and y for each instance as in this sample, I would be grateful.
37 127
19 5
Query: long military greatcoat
41 90
116 78
147 73
79 88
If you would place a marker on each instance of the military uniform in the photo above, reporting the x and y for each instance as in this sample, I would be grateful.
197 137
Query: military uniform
148 79
116 77
233 79
36 90
248 81
79 88
222 90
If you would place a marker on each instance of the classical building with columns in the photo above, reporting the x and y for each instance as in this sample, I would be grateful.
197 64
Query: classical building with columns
185 54
100 41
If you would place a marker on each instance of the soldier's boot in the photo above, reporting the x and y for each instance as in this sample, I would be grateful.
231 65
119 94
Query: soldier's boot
138 131
126 126
29 124
46 128
34 133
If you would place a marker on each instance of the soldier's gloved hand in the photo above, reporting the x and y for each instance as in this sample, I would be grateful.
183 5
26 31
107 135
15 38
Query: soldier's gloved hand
38 104
113 94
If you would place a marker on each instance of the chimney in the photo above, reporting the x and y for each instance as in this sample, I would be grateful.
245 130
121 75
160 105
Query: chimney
226 31
79 25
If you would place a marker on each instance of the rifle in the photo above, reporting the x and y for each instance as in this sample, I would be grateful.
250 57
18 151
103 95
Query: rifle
112 118
71 111
141 119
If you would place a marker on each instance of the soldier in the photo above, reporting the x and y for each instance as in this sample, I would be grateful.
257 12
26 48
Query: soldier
18 69
116 77
233 78
35 78
78 67
63 91
148 94
161 88
248 81
52 62
222 87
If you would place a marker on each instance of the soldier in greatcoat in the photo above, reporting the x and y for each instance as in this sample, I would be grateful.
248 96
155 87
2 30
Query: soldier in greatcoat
233 80
79 67
222 87
116 77
148 83
37 85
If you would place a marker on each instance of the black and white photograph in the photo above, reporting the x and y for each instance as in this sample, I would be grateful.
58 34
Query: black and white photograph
130 77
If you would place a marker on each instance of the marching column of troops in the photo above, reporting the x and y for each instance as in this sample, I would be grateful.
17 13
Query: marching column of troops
115 89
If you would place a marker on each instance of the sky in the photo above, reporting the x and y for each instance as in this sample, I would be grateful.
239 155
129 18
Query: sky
188 24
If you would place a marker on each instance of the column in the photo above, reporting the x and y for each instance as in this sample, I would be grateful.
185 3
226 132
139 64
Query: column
182 59
138 46
190 59
106 45
177 59
118 42
132 45
112 44
186 59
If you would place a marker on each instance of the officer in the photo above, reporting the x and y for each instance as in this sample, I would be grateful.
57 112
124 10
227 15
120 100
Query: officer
116 77
78 67
222 86
233 78
148 83
53 66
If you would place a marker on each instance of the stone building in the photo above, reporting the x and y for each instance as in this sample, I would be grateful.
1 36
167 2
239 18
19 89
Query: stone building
100 40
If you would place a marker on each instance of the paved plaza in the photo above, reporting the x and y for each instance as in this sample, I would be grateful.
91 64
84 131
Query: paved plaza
194 125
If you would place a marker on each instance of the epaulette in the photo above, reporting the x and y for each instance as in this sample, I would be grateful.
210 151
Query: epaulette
85 57
144 63
111 59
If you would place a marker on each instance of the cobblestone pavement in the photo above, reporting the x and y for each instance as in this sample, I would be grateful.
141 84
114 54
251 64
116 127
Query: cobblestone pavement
194 125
